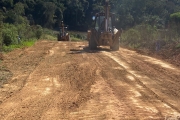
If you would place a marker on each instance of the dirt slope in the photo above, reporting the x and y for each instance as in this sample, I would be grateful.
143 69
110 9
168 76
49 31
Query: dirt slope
64 80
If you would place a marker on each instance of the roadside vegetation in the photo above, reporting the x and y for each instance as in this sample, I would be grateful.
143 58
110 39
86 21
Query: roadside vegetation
146 24
150 37
147 39
77 36
146 36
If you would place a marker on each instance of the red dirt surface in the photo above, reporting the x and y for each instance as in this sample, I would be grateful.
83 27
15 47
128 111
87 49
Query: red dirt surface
169 53
64 80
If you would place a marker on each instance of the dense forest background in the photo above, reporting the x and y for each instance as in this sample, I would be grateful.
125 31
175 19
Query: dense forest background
149 24
78 13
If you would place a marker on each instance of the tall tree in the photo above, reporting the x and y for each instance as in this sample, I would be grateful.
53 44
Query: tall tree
1 27
78 13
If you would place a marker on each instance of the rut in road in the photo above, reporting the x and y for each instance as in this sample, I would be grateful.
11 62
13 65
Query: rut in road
147 83
71 82
21 63
164 76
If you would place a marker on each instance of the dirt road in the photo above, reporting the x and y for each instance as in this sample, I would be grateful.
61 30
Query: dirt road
64 80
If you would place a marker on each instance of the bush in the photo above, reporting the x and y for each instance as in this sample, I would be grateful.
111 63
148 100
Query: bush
1 41
18 36
39 31
131 37
140 36
77 36
49 34
178 46
149 37
7 40
10 34
22 45
175 17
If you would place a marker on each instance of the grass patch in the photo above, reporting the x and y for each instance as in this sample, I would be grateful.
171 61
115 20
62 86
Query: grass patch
178 46
135 46
28 43
23 44
49 34
48 37
75 39
77 36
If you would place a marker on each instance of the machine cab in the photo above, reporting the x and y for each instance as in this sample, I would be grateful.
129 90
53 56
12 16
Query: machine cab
63 29
103 24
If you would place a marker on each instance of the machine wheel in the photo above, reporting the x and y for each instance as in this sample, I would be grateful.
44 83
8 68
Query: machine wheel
58 37
116 45
92 42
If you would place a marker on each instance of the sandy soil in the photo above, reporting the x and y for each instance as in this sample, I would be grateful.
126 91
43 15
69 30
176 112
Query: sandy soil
64 80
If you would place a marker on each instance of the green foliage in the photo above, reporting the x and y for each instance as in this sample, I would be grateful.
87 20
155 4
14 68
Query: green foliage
28 18
49 34
149 37
10 34
147 32
77 36
14 36
7 39
131 37
10 48
78 13
1 27
48 37
39 31
22 45
19 8
175 17
75 39
140 36
178 46
48 11
10 17
28 43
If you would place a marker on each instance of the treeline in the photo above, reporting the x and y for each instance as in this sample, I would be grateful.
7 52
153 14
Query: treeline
78 13
25 19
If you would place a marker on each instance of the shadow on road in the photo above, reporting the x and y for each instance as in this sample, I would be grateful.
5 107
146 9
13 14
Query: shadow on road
85 49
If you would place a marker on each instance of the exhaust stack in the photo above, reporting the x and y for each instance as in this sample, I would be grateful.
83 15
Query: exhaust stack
107 8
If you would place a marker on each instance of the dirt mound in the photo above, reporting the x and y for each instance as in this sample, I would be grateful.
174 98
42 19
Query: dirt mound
169 53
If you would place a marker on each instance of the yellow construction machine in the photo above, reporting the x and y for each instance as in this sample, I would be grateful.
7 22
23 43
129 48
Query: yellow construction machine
63 34
104 32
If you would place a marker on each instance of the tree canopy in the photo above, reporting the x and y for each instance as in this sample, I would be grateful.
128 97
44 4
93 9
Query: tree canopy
78 13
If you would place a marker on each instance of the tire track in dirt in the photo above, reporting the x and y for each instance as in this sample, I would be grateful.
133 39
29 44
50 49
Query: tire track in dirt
59 85
72 82
140 102
165 77
107 68
18 100
103 104
126 93
139 79
22 63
